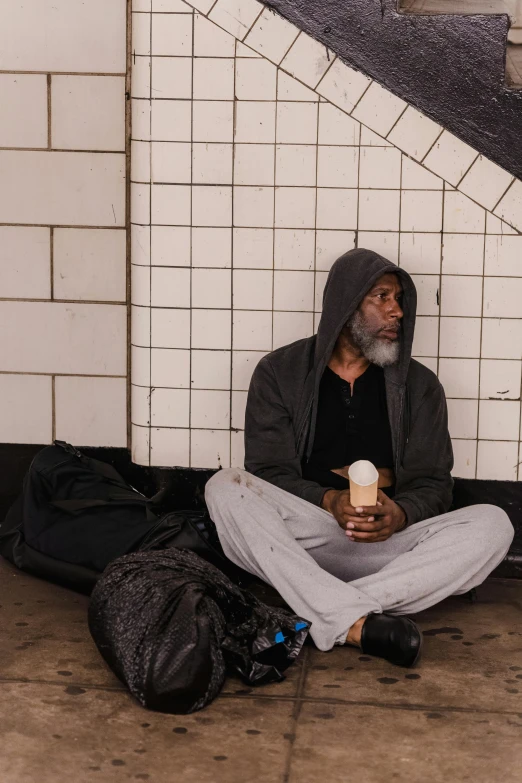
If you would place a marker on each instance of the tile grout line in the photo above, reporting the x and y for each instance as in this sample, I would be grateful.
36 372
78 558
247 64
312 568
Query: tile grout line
191 231
296 713
150 244
53 408
232 256
480 348
49 124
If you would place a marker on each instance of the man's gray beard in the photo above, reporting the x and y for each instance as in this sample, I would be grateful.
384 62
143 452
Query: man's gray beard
377 351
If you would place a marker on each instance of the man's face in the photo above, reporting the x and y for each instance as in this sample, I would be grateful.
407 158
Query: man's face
375 325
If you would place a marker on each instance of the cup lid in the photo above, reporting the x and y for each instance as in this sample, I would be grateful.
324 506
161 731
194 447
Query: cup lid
363 473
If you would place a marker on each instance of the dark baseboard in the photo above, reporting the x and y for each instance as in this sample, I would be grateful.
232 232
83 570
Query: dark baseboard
186 489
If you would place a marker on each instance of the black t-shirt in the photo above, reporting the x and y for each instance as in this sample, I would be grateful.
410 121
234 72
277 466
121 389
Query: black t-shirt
350 426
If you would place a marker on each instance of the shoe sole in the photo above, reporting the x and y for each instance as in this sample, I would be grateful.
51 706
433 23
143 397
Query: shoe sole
419 651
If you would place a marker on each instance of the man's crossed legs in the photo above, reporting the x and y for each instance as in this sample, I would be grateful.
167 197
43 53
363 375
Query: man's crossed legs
301 551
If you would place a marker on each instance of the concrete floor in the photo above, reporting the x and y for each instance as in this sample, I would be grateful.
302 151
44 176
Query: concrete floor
339 716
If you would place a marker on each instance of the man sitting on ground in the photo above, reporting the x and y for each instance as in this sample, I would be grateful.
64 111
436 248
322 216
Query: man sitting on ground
315 407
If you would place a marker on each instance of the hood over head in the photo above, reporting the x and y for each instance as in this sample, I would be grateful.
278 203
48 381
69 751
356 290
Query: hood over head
349 280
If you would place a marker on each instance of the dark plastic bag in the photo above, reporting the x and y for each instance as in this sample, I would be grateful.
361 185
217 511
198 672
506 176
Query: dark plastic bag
171 626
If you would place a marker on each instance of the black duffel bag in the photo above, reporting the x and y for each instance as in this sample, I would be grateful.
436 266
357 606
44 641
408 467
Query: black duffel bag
76 514
171 626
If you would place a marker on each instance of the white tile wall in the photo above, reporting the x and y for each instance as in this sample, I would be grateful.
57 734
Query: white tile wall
63 243
276 159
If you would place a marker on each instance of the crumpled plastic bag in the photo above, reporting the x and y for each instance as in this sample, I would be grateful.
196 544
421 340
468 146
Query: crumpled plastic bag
171 626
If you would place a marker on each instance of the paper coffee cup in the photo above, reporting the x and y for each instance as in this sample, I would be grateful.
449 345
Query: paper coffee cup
364 479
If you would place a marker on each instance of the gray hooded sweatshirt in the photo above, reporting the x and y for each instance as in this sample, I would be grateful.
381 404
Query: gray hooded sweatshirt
282 401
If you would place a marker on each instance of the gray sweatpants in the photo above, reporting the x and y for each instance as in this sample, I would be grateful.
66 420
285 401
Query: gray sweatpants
301 551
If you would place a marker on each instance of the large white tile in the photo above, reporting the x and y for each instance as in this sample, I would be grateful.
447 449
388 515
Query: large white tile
172 35
170 287
252 331
253 207
255 122
428 293
210 40
235 16
211 370
243 366
254 164
296 123
510 206
25 265
485 182
463 418
211 329
170 245
253 289
209 449
421 210
213 79
343 86
336 127
416 177
170 407
499 420
338 167
211 288
463 254
170 368
500 379
297 165
88 112
502 338
295 207
420 253
210 409
450 158
330 245
465 456
337 208
89 37
272 36
379 210
23 122
497 460
212 247
171 162
170 447
379 109
502 297
385 243
308 60
294 249
170 205
90 264
91 411
293 291
503 256
255 80
211 205
171 120
289 327
460 377
414 133
171 77
426 341
461 215
460 337
62 188
461 295
170 328
253 248
70 338
26 410
380 167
